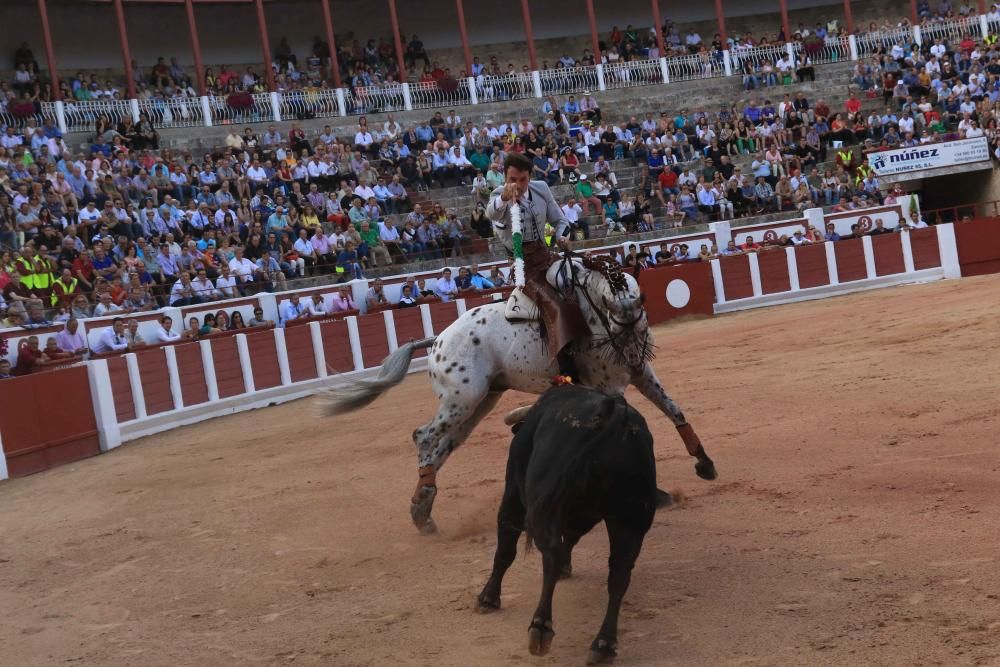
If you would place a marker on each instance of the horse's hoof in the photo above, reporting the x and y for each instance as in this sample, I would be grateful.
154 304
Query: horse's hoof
663 499
601 652
420 510
705 469
485 605
540 637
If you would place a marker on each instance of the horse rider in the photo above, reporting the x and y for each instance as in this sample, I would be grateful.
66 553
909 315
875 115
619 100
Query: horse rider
564 322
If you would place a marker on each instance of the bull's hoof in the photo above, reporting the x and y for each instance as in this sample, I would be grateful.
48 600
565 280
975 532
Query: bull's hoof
540 636
420 510
705 469
663 499
487 605
601 652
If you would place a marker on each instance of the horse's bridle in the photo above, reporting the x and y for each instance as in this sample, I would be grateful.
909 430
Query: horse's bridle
615 277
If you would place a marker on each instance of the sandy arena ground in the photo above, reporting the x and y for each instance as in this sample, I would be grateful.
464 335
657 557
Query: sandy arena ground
856 520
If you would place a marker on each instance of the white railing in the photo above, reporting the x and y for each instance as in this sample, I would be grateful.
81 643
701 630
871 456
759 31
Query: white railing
318 103
444 93
259 110
832 50
632 73
173 112
952 31
42 111
516 86
695 66
82 116
869 44
564 80
309 103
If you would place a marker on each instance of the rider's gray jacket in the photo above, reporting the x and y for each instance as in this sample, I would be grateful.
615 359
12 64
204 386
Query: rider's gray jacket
538 206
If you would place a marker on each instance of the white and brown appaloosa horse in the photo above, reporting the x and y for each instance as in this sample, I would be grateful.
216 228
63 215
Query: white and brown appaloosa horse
501 346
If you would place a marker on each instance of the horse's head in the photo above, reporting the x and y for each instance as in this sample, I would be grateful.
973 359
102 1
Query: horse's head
613 306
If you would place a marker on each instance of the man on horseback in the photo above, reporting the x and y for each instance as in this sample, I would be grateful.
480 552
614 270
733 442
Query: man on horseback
563 320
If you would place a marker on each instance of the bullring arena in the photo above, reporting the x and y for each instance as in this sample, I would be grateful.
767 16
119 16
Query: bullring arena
854 521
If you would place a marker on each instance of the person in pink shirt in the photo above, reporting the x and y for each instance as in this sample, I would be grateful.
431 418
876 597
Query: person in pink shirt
343 302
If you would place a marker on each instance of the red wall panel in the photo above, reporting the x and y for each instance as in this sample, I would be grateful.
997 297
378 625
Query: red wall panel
773 271
374 343
924 244
263 359
301 361
409 326
155 380
228 371
121 388
337 347
888 250
443 314
810 261
47 419
695 276
736 277
850 260
978 244
191 374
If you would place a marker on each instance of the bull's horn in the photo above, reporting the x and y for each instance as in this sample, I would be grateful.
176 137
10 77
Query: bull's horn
517 415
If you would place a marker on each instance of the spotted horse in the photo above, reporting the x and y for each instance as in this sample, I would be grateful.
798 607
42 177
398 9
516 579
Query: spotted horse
501 346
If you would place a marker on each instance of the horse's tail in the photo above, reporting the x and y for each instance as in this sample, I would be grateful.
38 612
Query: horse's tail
544 514
356 394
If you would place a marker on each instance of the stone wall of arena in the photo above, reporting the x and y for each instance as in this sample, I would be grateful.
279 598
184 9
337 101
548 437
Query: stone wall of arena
61 415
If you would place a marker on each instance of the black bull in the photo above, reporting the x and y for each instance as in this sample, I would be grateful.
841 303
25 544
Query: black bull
579 457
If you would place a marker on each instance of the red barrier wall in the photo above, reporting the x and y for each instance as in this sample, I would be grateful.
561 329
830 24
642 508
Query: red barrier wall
409 326
850 255
191 374
978 244
888 251
263 359
155 380
924 245
810 263
773 266
228 371
374 342
736 277
337 347
47 419
443 314
121 387
666 298
301 361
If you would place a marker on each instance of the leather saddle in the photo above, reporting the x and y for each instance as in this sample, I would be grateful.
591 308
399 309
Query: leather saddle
520 308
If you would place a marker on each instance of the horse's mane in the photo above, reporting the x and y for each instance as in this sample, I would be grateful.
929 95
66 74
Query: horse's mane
611 270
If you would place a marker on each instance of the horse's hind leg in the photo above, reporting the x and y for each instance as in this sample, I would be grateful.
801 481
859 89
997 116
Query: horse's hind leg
436 441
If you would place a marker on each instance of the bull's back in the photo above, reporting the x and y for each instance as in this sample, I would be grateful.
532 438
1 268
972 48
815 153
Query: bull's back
615 475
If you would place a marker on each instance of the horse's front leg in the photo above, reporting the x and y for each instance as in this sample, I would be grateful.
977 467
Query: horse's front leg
649 386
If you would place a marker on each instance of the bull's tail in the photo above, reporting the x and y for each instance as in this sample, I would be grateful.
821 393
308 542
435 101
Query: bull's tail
356 394
543 516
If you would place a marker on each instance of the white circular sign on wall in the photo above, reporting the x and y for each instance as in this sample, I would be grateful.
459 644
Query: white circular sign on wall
678 293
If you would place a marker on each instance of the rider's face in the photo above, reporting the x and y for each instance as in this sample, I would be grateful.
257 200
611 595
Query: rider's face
519 177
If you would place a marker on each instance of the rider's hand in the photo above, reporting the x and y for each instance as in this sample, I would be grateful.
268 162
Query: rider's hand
511 192
563 242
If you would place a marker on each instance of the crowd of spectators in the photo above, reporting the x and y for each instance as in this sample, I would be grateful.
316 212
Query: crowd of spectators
127 227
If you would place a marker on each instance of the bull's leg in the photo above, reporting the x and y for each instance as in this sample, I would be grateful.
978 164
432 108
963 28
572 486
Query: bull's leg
435 441
540 632
566 567
626 542
510 524
649 386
